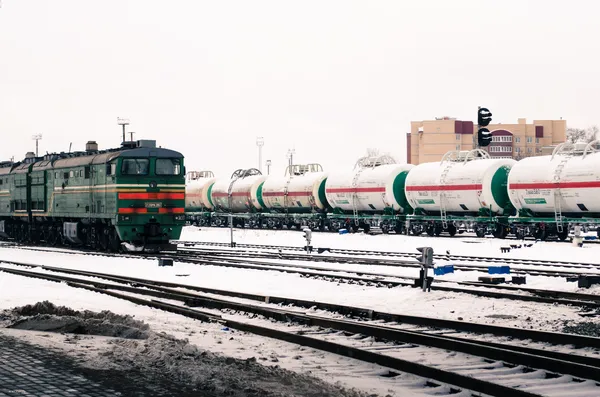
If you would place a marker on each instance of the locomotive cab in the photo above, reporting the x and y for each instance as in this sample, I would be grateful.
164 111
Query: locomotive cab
150 184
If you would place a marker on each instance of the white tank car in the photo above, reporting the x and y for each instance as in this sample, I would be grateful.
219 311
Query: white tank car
244 187
197 191
467 182
375 184
569 177
302 189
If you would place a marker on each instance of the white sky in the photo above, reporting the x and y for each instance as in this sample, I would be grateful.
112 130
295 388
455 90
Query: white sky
329 78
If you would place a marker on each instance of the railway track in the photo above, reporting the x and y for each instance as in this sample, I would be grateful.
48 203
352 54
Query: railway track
448 257
375 279
239 253
452 352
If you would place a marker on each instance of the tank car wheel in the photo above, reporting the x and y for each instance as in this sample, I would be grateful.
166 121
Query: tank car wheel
451 230
437 230
429 230
540 233
367 228
520 234
480 231
500 231
562 236
354 228
416 232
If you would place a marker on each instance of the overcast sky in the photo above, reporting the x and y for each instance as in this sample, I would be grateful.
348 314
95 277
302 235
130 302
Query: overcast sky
329 78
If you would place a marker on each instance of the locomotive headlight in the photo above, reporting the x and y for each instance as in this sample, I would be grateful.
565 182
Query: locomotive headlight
125 218
179 217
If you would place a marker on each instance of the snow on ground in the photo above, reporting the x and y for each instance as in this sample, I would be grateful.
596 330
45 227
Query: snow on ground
19 291
457 245
403 300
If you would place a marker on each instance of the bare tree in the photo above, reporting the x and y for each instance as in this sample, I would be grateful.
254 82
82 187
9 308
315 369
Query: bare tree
583 134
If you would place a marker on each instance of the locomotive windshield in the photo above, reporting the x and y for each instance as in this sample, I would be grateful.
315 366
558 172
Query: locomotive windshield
135 167
168 166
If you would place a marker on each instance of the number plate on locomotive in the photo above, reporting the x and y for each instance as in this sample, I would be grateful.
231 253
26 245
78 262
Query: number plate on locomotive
153 205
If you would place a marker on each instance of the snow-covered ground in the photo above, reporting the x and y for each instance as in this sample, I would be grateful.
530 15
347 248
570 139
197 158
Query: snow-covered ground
457 245
17 291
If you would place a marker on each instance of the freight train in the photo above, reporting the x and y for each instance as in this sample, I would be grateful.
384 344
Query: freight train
129 198
540 197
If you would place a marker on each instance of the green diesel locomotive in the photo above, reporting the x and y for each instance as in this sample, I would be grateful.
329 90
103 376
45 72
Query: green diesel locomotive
131 198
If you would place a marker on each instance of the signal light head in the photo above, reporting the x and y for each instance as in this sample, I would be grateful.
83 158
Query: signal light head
484 137
484 117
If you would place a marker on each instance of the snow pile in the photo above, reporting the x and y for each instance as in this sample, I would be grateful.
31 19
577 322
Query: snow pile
207 372
45 316
161 356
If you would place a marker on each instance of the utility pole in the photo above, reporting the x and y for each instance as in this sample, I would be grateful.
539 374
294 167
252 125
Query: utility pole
131 134
260 142
123 123
37 138
290 156
268 164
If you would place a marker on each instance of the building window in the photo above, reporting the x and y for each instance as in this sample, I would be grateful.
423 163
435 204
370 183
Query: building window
518 139
457 147
528 150
457 137
537 140
501 138
529 139
517 149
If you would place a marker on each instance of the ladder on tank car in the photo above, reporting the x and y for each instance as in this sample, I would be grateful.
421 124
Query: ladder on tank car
355 196
558 217
443 213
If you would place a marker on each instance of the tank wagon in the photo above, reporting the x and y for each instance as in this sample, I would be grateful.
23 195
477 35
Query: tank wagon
540 197
298 198
128 198
372 195
553 193
198 200
466 190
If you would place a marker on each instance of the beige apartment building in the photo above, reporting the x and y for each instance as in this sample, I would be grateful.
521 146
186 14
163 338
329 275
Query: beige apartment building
429 140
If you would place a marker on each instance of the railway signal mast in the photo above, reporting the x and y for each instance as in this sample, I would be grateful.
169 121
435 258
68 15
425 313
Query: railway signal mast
484 136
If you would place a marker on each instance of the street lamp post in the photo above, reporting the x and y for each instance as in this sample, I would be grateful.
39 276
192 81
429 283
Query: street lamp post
260 142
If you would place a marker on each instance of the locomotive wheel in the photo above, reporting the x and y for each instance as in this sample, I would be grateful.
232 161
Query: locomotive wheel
451 230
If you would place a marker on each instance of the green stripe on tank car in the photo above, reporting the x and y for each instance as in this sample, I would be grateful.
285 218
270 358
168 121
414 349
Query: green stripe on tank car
398 189
425 201
535 201
322 195
500 187
259 195
210 194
